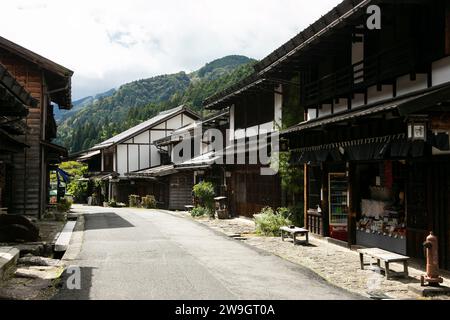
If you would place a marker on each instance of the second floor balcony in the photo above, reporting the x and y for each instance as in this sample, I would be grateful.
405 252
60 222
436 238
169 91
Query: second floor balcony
381 68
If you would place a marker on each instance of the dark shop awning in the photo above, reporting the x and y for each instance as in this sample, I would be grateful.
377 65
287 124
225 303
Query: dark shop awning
426 100
55 153
379 148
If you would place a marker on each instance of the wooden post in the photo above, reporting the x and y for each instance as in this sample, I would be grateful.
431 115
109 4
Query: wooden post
351 214
305 196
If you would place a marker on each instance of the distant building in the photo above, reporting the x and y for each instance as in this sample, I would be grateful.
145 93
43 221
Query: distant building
181 176
134 150
252 116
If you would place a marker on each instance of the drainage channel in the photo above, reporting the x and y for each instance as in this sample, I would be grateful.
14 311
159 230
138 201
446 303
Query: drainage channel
62 240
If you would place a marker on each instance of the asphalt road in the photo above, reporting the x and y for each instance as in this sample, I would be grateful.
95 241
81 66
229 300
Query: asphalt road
140 254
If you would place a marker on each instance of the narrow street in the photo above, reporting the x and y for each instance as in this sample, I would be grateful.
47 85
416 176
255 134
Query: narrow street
143 254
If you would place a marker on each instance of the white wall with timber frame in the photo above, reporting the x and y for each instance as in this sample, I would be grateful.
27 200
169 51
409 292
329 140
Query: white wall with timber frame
261 128
139 152
439 74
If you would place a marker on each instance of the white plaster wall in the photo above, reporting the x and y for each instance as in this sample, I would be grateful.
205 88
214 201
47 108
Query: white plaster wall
267 127
341 106
144 156
252 131
142 138
121 159
174 123
114 163
102 160
156 159
156 135
405 85
231 133
278 105
160 126
133 158
440 71
373 95
239 134
154 154
205 148
358 100
325 110
312 114
187 120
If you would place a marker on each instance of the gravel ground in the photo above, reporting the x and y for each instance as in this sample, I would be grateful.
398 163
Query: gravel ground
338 265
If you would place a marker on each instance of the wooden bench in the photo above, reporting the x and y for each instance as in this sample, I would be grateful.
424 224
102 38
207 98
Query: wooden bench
387 257
294 232
189 208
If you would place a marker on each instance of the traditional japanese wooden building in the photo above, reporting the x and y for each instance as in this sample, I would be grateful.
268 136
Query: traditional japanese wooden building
134 150
49 84
256 111
14 102
179 176
375 141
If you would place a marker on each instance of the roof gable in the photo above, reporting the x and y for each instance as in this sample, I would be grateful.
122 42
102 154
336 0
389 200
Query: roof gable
58 77
146 125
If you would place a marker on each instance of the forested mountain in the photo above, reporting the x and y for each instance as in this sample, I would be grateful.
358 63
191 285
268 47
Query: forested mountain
99 118
61 115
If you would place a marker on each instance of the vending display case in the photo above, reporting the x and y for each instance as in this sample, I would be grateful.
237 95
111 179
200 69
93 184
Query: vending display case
338 205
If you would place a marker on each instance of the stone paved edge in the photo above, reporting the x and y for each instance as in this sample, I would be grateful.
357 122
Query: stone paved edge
8 260
76 241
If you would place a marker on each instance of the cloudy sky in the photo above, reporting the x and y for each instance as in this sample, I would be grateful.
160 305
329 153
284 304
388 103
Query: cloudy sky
109 42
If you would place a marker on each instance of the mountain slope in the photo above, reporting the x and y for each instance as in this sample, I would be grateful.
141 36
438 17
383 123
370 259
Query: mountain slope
99 118
61 115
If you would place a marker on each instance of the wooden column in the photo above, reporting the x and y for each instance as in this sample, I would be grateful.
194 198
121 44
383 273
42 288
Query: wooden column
305 195
351 225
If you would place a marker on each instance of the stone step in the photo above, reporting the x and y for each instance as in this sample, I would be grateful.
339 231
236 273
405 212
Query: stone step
8 260
63 241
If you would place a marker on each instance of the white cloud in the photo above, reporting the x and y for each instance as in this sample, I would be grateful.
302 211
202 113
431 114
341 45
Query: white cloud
110 42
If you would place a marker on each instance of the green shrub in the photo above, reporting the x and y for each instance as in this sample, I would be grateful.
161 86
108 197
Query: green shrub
63 205
149 202
297 215
268 222
284 212
133 201
200 212
113 203
79 190
204 192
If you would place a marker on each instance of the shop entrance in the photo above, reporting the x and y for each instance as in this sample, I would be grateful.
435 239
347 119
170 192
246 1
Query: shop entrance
379 202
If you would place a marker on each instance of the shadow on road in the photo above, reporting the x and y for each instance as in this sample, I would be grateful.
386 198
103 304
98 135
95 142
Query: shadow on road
75 286
105 220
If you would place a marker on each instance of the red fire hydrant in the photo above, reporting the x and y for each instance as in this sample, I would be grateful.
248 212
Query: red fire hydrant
432 277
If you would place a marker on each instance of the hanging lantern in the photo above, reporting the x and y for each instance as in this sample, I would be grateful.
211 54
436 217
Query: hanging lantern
417 129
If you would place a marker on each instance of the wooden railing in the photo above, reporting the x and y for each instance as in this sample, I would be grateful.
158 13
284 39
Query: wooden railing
375 69
315 222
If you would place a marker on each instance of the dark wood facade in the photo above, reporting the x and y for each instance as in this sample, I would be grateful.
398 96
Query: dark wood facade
360 103
47 82
180 190
362 92
14 102
249 192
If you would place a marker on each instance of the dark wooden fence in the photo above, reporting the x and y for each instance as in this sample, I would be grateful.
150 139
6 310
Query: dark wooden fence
315 222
